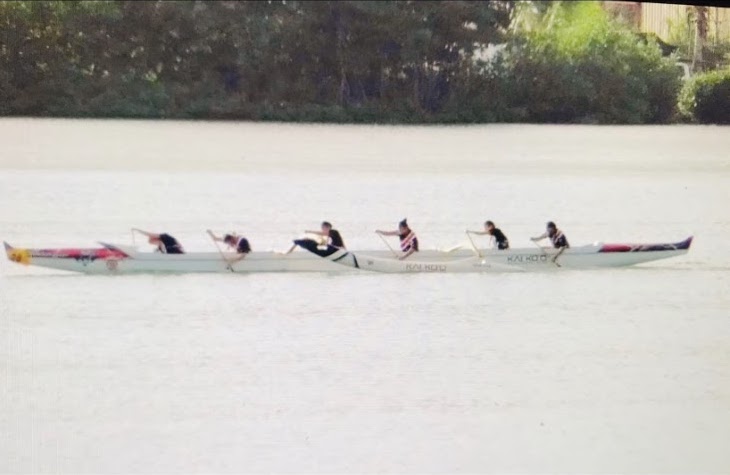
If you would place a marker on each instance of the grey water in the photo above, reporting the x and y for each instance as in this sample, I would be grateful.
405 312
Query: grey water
623 370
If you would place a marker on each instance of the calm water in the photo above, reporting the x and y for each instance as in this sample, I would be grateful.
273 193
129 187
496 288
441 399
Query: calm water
597 371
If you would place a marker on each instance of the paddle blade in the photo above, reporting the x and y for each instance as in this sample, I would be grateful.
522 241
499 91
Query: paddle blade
453 248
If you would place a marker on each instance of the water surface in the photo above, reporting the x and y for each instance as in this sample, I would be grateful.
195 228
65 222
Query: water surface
624 370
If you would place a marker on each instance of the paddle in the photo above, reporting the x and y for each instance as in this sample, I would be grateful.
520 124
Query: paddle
474 246
387 244
449 250
223 256
544 253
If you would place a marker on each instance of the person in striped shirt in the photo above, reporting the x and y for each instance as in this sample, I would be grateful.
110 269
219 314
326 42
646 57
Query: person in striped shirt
408 239
557 238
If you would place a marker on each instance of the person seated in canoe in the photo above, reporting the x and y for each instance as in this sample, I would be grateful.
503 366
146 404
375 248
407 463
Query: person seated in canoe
331 237
557 238
495 233
164 242
408 239
238 243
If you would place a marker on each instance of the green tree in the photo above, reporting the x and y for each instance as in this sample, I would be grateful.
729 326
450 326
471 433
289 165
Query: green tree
576 64
705 98
398 61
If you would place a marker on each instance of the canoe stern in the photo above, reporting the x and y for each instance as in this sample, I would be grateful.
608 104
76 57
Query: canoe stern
21 256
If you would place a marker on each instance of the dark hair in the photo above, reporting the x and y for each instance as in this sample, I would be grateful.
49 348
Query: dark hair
404 223
327 223
228 238
489 223
551 225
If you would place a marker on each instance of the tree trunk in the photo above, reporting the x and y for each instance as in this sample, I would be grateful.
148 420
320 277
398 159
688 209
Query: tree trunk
342 95
381 84
417 86
340 34
700 38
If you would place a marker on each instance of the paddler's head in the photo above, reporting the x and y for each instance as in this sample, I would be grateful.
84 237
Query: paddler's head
403 226
489 226
326 227
229 239
551 228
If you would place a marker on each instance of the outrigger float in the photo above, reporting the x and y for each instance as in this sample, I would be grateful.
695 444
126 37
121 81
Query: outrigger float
119 259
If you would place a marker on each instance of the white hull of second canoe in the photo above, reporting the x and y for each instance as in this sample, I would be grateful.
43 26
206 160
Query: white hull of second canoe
585 257
505 261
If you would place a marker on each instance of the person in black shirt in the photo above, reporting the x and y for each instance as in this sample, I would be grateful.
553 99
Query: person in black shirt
332 237
234 241
495 233
164 242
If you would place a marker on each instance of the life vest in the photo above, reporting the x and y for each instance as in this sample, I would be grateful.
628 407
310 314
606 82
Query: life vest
407 241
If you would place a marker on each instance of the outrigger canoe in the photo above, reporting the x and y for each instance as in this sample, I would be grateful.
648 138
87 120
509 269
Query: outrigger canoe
118 259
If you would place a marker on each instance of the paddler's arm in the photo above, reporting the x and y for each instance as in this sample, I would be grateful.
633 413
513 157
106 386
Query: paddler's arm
542 236
388 233
405 256
214 237
480 233
148 234
321 235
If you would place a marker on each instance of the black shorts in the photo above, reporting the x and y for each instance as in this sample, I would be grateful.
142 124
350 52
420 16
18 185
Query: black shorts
311 246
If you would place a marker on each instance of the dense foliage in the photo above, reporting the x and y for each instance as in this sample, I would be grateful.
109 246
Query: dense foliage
706 98
397 61
579 65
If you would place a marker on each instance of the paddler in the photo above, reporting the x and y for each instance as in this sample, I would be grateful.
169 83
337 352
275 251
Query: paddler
408 239
496 234
331 237
239 243
164 242
557 238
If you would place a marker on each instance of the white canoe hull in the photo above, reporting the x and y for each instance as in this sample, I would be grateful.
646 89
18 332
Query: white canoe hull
113 259
518 260
395 266
584 257
117 259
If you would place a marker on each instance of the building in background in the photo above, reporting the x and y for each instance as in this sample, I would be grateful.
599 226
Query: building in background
700 34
